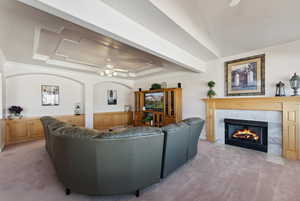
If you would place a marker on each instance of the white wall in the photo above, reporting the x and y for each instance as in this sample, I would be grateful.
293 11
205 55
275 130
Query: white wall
281 62
34 75
25 91
124 95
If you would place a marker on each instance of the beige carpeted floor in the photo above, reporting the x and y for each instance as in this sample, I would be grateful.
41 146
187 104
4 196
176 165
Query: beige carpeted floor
218 173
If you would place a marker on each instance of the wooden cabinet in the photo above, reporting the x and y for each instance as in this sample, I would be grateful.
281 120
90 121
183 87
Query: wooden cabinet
78 120
171 112
28 129
107 120
16 131
35 128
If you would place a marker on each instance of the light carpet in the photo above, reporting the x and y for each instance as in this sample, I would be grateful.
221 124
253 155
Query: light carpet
217 173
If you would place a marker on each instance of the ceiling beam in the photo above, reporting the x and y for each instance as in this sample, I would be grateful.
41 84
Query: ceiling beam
98 17
175 11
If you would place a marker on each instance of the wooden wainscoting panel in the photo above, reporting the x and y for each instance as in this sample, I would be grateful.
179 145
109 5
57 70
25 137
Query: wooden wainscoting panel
78 120
29 129
16 131
108 120
290 130
35 128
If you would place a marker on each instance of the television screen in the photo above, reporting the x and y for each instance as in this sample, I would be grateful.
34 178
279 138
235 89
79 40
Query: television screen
154 101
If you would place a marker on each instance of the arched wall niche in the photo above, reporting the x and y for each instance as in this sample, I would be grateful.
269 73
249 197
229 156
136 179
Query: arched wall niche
124 96
25 90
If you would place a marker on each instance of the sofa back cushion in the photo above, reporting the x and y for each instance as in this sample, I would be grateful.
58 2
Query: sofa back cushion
76 132
131 132
196 129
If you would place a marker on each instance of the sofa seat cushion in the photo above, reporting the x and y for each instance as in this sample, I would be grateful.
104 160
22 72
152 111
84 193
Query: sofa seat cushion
131 132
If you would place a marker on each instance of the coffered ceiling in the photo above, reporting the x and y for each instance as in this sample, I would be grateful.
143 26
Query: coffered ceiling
95 51
31 36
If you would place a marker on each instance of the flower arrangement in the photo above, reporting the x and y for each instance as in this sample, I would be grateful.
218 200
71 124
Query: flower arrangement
16 110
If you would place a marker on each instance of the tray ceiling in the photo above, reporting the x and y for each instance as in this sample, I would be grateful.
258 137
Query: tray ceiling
91 49
31 36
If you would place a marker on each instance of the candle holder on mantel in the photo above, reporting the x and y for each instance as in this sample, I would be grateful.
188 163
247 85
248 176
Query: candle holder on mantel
280 89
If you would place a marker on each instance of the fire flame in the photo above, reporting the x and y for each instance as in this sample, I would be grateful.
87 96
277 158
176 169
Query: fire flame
246 134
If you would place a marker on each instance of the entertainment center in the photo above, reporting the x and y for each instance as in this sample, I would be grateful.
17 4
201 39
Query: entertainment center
158 107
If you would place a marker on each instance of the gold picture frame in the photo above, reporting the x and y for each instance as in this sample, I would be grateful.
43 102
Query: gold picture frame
245 77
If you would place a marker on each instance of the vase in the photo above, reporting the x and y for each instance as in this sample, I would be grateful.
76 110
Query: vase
15 116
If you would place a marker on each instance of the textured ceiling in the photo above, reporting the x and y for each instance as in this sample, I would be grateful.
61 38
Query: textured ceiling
147 15
94 50
203 28
251 25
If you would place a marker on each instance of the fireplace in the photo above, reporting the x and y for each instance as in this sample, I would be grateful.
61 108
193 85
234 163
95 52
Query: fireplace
247 134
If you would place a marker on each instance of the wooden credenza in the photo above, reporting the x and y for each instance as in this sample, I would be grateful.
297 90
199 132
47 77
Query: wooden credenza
29 129
107 120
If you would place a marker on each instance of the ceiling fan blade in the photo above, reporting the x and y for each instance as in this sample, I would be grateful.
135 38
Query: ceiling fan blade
234 3
121 70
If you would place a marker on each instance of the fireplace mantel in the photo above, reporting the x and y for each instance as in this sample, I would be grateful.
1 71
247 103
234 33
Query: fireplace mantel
289 106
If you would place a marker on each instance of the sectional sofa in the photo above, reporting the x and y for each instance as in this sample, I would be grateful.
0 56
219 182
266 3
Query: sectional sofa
95 163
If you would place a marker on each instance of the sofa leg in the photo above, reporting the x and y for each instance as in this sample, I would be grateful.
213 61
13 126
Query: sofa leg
137 193
68 191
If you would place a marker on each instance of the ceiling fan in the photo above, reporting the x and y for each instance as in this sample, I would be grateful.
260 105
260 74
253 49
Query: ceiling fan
111 71
234 3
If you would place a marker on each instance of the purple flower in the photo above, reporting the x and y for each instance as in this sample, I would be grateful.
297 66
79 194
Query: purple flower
15 109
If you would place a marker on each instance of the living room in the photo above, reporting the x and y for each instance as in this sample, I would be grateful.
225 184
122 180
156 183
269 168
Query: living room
162 100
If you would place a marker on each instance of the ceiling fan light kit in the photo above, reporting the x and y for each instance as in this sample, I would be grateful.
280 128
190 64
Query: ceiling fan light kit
234 3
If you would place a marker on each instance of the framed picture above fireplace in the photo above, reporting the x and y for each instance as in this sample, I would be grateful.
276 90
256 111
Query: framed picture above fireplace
246 76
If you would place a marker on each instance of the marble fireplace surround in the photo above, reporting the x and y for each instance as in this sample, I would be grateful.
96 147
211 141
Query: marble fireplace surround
274 119
286 107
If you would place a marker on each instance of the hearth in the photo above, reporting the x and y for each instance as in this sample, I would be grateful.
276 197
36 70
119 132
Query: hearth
247 134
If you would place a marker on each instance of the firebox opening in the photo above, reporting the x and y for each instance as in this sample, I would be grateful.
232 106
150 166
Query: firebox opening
247 134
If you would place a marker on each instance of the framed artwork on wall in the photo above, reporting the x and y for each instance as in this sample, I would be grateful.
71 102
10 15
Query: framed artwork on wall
245 77
50 95
112 97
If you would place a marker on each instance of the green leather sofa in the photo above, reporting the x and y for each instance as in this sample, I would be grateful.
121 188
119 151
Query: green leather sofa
196 126
94 163
180 143
91 162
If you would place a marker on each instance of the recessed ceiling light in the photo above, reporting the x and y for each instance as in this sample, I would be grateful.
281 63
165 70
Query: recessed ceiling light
234 3
109 66
108 71
132 74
